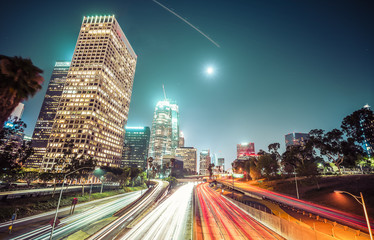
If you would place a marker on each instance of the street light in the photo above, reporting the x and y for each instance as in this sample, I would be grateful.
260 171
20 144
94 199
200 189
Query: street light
297 188
362 202
59 199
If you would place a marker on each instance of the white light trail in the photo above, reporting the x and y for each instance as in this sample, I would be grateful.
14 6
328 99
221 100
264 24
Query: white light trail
184 20
167 220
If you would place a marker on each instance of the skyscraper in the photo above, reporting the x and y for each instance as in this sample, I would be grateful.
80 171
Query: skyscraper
181 140
47 113
296 138
204 162
95 101
165 130
188 156
221 163
245 150
135 148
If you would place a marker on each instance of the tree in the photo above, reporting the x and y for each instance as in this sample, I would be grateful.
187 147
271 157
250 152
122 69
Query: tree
303 159
29 175
210 170
14 152
360 126
71 162
19 79
268 165
339 151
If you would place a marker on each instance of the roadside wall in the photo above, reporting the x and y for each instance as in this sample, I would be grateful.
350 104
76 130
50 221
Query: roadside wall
285 228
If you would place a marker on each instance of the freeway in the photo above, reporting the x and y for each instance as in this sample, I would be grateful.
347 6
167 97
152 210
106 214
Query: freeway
332 214
128 215
169 220
221 219
76 222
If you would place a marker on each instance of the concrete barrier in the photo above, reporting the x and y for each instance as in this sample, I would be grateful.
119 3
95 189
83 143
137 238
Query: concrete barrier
287 229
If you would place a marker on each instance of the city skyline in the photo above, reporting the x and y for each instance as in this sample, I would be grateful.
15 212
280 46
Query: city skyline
292 68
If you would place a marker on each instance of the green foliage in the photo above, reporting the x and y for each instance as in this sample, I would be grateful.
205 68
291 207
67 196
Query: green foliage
303 159
268 165
340 151
359 125
172 181
14 152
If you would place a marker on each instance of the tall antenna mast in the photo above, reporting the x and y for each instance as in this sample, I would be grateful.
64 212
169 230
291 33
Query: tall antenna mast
164 91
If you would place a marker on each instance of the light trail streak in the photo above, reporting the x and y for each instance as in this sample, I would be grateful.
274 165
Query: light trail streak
51 213
332 214
231 221
184 20
75 222
114 228
167 220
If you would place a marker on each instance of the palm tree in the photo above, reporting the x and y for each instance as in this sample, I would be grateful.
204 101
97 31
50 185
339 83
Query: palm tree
19 79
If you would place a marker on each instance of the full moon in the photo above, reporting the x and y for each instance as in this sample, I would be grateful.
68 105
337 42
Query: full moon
209 70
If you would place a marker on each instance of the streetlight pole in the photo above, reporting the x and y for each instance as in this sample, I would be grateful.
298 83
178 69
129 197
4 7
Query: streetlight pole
297 189
102 184
362 202
59 200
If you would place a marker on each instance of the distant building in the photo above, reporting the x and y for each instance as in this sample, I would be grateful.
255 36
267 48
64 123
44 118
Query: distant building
47 113
94 105
188 156
221 163
164 138
18 111
245 150
135 148
293 139
181 140
204 162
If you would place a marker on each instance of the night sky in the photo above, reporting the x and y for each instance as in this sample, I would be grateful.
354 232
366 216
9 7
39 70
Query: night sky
282 66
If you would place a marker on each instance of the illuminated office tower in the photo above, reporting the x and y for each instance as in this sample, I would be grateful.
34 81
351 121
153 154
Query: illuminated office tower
244 150
165 130
94 105
47 113
204 162
221 163
188 156
135 147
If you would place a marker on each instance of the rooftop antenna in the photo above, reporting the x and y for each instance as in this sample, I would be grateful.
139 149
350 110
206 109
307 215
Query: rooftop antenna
163 88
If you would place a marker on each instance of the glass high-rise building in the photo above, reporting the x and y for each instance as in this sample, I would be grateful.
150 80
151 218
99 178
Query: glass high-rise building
47 113
204 162
95 101
165 130
296 139
188 156
135 148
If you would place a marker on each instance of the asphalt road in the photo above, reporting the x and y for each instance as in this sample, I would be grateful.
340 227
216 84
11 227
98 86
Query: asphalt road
221 219
38 227
168 220
332 214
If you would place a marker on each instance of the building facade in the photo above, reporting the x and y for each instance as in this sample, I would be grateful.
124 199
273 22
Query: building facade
135 147
181 140
245 150
293 139
164 138
188 156
47 113
221 163
95 101
205 160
